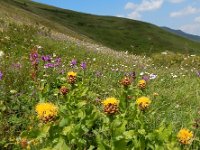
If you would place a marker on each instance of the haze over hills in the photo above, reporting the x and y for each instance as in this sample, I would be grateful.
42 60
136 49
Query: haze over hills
114 32
183 34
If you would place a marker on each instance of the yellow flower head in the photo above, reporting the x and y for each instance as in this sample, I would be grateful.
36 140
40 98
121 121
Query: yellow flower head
71 73
46 111
143 102
110 100
185 136
142 84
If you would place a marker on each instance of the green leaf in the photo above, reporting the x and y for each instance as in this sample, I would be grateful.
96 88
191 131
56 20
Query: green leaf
142 131
44 131
68 129
61 145
128 135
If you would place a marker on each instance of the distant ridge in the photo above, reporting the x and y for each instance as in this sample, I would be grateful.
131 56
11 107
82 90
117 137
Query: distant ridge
183 34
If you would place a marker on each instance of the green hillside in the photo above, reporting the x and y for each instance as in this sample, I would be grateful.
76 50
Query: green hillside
116 33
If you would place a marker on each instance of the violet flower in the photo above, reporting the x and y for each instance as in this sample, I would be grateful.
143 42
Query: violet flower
46 58
1 75
198 73
73 63
49 65
83 65
146 78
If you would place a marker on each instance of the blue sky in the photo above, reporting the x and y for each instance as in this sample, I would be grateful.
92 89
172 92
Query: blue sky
177 14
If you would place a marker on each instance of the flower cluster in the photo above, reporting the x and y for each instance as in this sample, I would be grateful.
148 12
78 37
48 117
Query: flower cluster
71 77
142 84
46 111
110 105
143 102
64 90
126 81
185 136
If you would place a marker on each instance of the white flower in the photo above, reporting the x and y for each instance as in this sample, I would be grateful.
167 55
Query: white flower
164 53
142 73
94 59
54 55
152 76
1 54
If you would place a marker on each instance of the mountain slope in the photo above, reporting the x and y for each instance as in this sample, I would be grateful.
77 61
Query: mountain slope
117 33
183 34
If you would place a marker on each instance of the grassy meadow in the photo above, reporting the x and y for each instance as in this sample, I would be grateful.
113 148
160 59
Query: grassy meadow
172 85
57 94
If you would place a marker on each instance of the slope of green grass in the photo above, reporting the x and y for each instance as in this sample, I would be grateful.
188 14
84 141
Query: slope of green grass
117 33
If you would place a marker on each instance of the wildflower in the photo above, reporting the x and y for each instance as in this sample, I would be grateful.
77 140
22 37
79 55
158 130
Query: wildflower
132 75
143 102
83 65
198 73
46 58
1 54
46 111
71 77
1 75
57 61
142 84
185 136
64 90
152 76
146 78
110 105
49 65
73 63
126 81
71 73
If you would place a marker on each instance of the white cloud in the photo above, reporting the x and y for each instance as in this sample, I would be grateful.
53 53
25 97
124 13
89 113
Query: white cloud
197 19
145 5
191 28
176 1
134 15
184 12
130 5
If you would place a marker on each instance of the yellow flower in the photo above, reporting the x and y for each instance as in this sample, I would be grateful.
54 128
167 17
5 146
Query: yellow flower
110 100
71 73
143 102
142 84
110 106
185 136
46 111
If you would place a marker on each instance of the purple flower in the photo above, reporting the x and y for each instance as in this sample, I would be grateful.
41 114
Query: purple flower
57 61
132 74
46 58
83 65
146 78
49 65
73 63
34 58
1 75
198 73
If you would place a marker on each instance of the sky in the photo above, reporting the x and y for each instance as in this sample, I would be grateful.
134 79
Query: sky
176 14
